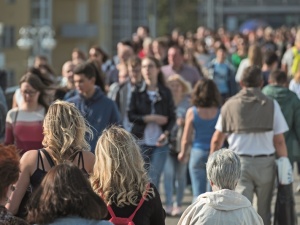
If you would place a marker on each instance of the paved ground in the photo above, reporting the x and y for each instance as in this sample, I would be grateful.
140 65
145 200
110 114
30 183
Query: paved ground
188 199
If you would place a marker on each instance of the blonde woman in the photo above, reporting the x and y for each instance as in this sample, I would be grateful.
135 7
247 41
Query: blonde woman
120 178
255 57
174 170
64 140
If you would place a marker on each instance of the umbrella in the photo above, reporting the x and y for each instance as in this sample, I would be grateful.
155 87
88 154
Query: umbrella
252 25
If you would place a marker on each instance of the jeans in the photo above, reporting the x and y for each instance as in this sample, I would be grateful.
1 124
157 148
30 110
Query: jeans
197 167
174 175
155 158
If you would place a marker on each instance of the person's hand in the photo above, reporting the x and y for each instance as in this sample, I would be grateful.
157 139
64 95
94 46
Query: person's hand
180 121
182 157
162 140
159 119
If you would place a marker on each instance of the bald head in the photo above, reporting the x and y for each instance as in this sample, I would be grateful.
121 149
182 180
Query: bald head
67 69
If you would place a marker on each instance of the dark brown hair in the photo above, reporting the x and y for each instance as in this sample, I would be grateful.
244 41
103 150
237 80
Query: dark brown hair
206 94
80 53
85 69
65 191
101 51
278 76
9 167
252 76
134 61
100 76
160 76
36 83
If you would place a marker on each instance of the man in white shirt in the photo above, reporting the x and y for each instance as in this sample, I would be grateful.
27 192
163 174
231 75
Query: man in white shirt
255 126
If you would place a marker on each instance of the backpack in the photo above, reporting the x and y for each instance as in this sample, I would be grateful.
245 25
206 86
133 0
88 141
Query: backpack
126 221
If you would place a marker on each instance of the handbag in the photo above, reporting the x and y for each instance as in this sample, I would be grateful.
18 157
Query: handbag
175 140
285 213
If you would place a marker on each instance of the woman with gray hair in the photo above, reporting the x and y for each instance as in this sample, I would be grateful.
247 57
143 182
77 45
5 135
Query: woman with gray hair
223 205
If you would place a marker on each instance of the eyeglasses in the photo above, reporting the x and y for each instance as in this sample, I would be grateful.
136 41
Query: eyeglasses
150 66
30 93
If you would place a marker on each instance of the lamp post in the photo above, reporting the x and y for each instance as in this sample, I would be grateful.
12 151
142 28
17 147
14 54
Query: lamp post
40 39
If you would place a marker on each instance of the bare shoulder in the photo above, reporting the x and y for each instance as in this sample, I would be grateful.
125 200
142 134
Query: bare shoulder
89 160
28 161
190 113
88 155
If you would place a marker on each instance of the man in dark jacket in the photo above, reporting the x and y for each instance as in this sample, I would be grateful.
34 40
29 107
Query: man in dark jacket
290 107
97 109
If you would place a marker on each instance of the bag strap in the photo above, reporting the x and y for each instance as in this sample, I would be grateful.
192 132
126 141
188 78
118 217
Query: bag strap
111 212
48 157
14 124
141 202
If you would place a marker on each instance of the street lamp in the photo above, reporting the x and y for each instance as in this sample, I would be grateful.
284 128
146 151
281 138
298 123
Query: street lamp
38 39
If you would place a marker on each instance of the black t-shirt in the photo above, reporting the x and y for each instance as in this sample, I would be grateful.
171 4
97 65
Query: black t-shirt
150 213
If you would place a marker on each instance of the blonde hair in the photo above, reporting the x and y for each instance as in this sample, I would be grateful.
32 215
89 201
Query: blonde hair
255 55
64 131
119 175
186 86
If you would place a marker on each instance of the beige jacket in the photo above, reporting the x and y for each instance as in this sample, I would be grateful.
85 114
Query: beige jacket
249 111
224 207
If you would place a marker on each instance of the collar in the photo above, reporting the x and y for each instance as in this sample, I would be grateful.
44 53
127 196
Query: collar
97 94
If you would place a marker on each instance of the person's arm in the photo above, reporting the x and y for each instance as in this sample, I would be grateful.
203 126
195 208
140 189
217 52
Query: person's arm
14 101
158 216
280 146
217 141
9 134
186 136
133 115
279 127
26 163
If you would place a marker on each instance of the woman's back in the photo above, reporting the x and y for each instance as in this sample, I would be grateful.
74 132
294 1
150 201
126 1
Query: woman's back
149 213
45 162
204 123
34 167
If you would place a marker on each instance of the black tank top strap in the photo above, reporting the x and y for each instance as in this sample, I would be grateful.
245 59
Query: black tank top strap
40 159
81 161
49 159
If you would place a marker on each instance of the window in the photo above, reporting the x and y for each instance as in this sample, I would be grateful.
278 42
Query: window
7 40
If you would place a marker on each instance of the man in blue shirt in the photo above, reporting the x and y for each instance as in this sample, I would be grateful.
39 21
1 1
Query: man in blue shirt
98 110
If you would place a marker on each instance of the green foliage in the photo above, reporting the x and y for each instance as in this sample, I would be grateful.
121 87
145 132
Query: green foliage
176 13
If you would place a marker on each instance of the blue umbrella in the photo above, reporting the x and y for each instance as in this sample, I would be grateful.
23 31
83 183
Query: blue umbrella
251 25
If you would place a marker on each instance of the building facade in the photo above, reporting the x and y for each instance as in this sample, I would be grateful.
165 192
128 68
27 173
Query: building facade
232 13
76 23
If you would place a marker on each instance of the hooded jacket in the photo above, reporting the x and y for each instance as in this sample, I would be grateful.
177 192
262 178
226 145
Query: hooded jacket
290 107
223 207
99 111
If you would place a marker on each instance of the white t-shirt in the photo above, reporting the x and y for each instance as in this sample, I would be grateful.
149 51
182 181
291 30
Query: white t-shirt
295 87
257 143
152 130
243 65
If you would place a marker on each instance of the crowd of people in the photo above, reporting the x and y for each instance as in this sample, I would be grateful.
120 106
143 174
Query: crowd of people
95 141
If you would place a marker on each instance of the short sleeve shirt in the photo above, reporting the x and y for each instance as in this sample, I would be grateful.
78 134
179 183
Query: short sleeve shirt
257 143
